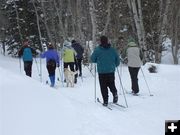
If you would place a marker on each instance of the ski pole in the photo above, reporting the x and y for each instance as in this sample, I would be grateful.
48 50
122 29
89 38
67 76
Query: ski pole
95 83
20 64
61 76
120 72
37 66
146 83
40 70
90 71
122 87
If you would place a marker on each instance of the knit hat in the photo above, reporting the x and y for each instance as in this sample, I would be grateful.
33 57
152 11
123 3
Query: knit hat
73 41
104 40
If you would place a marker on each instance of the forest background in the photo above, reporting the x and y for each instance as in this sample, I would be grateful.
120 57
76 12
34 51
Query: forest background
151 23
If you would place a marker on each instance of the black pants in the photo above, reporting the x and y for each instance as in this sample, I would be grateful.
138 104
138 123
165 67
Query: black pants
71 65
134 78
28 67
107 81
79 65
51 69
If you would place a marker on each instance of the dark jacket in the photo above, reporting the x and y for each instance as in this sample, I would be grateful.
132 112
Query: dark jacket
106 57
79 50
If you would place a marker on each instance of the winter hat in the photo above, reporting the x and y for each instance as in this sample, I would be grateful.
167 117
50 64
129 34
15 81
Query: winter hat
104 40
73 41
131 42
26 42
131 39
67 43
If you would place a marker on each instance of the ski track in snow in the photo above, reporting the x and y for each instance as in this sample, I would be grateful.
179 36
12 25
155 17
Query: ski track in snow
29 107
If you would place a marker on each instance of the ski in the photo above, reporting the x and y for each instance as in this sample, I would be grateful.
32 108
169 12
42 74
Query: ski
135 94
119 105
98 100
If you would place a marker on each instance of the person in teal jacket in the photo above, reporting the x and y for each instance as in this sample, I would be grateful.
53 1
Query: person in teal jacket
27 52
107 60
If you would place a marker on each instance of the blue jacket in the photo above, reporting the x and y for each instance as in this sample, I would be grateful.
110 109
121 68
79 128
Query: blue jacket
27 53
51 54
107 59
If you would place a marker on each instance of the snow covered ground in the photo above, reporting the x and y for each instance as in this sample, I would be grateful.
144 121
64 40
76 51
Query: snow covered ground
29 107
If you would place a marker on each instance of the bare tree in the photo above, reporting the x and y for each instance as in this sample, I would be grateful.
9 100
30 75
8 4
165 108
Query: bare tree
107 18
93 20
163 13
135 7
38 24
45 18
18 23
175 29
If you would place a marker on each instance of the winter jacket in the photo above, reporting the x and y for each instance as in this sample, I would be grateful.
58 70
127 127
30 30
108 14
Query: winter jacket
27 53
133 55
51 54
69 54
106 58
79 50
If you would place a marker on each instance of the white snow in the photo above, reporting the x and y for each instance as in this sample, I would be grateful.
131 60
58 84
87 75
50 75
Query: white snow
29 107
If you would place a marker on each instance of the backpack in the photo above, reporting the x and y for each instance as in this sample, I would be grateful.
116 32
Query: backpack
27 54
51 63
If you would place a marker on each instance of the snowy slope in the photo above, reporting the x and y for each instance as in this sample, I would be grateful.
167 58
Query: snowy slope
29 107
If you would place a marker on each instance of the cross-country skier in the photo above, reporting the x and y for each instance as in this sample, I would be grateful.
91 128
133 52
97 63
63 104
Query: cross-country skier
107 60
134 57
52 61
69 59
79 50
27 53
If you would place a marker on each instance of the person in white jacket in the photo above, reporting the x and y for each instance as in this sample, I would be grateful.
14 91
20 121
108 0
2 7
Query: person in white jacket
134 57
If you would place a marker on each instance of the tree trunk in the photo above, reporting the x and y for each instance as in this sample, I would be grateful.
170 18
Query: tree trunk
137 15
162 28
93 21
17 18
45 22
176 30
107 18
59 15
37 20
79 15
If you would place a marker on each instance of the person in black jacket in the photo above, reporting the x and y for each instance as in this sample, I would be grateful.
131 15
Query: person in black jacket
79 50
27 54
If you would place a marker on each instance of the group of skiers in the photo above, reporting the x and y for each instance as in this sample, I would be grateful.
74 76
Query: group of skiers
104 55
72 57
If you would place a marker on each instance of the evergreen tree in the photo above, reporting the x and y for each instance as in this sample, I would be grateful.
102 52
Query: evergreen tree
22 25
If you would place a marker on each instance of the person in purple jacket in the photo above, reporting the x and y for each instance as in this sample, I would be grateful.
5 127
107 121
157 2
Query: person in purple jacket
52 61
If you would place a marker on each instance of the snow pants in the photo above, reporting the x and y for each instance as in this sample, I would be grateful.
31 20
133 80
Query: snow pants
28 68
107 81
51 67
133 71
79 66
